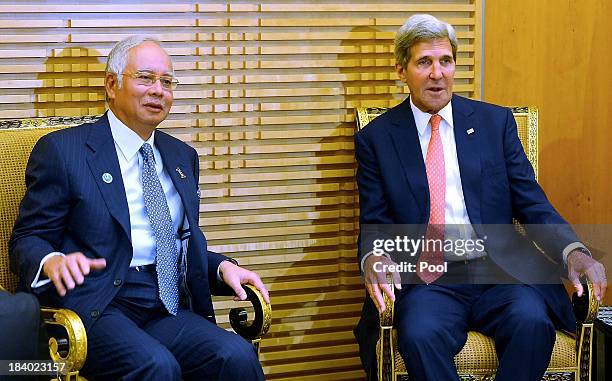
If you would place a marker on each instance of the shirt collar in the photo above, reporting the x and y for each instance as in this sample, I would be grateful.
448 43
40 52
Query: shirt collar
421 119
126 139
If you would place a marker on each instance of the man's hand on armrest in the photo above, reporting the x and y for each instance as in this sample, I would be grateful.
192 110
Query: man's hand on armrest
67 271
235 276
376 281
578 264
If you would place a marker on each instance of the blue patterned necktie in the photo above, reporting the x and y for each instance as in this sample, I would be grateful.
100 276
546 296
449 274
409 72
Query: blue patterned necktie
161 223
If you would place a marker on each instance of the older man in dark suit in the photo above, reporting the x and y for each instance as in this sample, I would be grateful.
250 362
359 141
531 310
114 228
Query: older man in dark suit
109 228
444 161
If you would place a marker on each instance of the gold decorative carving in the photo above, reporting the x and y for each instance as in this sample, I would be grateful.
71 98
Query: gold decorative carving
77 338
263 316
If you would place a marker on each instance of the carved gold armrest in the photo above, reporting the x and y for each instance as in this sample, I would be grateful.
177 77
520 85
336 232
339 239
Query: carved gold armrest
255 329
586 306
385 347
71 350
386 318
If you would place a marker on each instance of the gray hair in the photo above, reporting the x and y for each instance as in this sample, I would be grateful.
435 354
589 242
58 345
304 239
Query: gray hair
118 56
421 28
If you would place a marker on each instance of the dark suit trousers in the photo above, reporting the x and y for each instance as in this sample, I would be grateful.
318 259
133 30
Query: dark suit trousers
136 339
432 322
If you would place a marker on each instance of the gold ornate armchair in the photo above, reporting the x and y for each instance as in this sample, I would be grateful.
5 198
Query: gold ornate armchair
571 358
17 138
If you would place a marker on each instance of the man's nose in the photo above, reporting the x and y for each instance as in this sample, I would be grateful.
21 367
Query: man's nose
436 71
156 87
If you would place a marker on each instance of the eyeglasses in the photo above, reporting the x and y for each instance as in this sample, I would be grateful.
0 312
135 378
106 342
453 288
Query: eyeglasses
146 78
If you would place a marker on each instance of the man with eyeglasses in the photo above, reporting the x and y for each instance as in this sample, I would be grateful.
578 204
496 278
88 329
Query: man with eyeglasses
109 228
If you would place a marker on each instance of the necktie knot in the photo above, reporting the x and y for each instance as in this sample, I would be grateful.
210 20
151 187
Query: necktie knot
435 122
147 152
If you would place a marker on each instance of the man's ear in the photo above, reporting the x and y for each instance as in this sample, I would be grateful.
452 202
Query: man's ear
401 73
110 84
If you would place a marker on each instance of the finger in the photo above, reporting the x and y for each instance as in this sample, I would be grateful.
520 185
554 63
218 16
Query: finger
234 283
573 277
385 286
97 264
256 281
597 291
66 277
57 282
397 280
75 270
376 297
387 289
83 263
603 283
592 276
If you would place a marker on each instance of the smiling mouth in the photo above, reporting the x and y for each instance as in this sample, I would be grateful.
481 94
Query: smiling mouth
154 106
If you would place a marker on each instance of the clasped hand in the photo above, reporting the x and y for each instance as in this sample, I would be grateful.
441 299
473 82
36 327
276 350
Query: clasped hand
235 276
580 264
376 281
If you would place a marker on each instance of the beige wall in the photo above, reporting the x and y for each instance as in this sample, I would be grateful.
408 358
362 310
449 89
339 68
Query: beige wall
556 55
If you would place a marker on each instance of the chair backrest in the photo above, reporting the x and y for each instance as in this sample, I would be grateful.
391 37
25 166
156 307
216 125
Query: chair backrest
17 138
526 122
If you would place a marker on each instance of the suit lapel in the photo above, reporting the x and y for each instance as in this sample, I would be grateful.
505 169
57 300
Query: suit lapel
181 175
405 138
468 142
104 166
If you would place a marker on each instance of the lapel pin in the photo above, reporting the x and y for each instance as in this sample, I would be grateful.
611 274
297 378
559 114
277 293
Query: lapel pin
470 131
180 172
107 177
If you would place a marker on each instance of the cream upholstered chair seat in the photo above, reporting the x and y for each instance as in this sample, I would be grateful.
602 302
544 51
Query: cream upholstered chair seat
479 357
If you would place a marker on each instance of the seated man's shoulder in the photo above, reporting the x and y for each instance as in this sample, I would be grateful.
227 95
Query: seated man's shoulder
481 106
67 135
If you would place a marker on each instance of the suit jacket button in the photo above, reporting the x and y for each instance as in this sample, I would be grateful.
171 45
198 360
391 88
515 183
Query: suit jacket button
117 282
95 313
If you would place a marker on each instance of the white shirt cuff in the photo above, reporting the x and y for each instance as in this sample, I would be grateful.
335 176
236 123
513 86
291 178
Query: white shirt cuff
366 257
571 247
219 272
36 283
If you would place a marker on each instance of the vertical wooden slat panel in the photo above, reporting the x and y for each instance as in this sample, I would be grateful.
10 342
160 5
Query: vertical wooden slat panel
267 96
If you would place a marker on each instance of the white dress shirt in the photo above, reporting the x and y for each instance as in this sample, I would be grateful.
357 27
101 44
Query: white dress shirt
456 219
127 144
455 211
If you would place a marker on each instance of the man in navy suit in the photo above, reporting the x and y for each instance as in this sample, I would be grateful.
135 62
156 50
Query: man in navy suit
109 228
438 159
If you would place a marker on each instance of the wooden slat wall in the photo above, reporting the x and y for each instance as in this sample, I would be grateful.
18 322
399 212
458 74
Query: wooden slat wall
267 95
